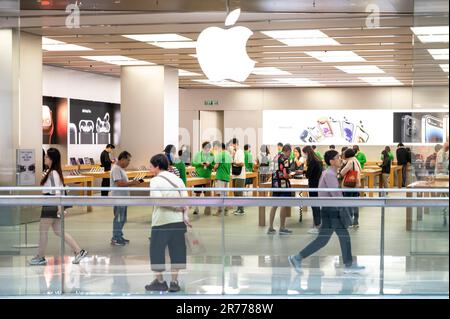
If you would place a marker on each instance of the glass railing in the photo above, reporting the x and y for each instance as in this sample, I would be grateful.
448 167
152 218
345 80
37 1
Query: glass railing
402 243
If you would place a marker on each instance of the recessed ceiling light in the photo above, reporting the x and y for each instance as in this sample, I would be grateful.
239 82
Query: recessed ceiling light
187 73
335 56
163 37
55 45
222 83
439 54
298 82
360 69
444 67
175 45
386 80
431 34
117 59
269 71
301 37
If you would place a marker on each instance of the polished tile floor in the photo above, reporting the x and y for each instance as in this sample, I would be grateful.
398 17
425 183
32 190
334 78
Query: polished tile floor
415 263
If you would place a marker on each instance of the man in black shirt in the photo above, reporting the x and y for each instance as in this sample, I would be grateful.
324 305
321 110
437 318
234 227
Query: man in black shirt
403 158
106 163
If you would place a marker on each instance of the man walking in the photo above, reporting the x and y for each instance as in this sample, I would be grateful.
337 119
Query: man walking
106 162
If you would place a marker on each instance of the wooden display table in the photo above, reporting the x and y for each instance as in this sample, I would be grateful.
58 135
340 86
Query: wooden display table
130 174
371 174
67 168
85 181
295 183
420 210
394 169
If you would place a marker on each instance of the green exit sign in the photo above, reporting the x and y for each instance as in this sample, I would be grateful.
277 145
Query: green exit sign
211 102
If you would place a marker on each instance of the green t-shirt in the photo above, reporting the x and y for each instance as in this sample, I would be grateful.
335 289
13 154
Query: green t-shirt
224 170
319 155
361 157
199 159
391 156
248 161
181 167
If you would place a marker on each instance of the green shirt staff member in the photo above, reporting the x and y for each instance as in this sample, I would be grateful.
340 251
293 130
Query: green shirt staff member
389 152
360 156
222 166
204 163
170 151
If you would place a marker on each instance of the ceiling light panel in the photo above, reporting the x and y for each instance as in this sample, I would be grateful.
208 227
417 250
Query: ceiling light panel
164 37
187 73
335 56
439 54
360 69
299 82
387 80
116 59
301 37
55 45
269 71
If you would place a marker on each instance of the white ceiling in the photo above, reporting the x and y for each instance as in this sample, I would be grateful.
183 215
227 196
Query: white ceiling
389 47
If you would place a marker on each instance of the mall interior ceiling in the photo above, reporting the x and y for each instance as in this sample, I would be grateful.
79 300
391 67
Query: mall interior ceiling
388 45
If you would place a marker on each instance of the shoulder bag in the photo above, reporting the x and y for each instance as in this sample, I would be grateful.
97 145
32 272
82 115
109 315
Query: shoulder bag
351 178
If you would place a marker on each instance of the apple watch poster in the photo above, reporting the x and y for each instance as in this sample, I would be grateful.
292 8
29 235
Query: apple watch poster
54 120
94 122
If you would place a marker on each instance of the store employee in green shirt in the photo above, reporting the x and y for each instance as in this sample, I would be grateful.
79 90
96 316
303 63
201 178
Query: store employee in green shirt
360 156
389 152
318 154
222 166
248 162
204 163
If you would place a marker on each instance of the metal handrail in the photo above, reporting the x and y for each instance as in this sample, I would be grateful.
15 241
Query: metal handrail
226 189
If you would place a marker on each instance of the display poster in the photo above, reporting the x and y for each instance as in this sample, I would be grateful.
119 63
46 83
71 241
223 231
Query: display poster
54 120
420 127
326 127
94 123
26 167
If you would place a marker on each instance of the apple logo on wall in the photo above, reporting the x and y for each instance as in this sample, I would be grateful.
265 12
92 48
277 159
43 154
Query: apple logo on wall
221 53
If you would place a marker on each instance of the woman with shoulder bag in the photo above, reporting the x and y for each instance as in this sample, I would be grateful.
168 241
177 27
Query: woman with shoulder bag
351 178
50 215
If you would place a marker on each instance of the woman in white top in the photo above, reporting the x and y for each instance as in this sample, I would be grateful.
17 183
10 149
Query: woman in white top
168 226
352 164
50 215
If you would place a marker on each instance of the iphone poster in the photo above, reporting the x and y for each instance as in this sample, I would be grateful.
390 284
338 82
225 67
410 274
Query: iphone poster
325 127
420 127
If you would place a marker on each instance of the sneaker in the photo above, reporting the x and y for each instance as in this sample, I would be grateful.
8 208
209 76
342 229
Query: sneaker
354 268
126 241
313 230
195 211
156 285
285 231
38 261
83 253
355 225
239 213
296 262
174 287
116 242
271 231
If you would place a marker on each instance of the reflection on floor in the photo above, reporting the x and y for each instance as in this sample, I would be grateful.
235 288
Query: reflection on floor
246 275
416 262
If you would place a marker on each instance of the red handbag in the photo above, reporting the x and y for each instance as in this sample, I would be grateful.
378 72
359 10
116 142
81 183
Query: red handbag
351 178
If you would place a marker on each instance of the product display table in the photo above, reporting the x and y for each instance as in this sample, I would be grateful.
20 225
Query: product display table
394 169
130 174
295 183
371 174
421 210
85 181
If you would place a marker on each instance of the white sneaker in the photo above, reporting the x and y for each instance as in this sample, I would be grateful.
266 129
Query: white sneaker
313 230
353 269
38 261
79 256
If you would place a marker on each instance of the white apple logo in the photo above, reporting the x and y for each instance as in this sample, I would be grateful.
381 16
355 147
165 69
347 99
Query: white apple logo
222 53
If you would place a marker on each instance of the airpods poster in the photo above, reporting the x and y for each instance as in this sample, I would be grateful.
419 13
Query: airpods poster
93 123
325 127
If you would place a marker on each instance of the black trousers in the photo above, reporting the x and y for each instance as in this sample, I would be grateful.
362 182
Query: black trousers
354 210
105 183
171 236
315 210
330 224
